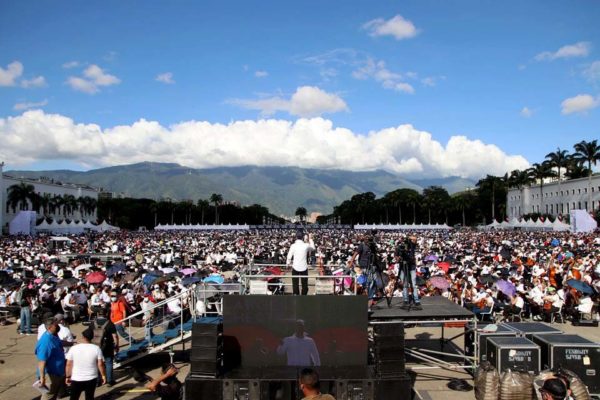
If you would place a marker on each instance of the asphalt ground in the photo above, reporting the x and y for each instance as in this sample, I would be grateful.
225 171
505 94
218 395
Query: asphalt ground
18 364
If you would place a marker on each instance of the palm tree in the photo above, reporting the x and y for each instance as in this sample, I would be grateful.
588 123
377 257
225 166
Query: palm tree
558 159
491 182
301 213
55 204
574 169
203 205
539 172
69 204
519 179
412 198
20 195
588 152
462 201
45 201
154 210
216 199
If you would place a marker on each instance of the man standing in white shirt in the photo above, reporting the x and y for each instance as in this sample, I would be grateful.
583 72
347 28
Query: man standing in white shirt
300 349
299 253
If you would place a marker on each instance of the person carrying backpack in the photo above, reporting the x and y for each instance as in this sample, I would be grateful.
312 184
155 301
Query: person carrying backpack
105 336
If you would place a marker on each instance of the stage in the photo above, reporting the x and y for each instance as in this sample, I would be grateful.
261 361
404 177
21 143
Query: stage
436 308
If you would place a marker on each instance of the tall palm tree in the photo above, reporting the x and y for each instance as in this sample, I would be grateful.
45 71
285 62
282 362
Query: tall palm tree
203 205
492 183
558 159
412 198
539 172
588 152
520 179
69 204
301 213
154 211
55 205
462 201
216 199
45 201
19 196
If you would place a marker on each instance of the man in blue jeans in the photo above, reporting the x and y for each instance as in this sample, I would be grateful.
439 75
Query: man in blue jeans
109 343
405 256
25 314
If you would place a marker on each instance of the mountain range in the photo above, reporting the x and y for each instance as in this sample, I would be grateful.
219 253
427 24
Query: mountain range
281 189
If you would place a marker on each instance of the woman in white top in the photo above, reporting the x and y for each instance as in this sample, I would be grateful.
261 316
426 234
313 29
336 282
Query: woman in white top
83 362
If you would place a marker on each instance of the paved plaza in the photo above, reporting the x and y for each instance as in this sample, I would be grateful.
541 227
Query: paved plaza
18 363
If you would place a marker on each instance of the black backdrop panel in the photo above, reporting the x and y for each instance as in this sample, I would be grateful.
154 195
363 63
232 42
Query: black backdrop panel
298 331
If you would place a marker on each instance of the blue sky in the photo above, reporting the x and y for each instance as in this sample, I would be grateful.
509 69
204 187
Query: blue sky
86 80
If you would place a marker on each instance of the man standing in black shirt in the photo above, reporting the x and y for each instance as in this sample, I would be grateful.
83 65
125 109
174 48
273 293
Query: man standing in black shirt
405 256
367 260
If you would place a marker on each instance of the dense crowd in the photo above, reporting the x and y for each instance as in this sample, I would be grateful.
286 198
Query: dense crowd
107 277
510 272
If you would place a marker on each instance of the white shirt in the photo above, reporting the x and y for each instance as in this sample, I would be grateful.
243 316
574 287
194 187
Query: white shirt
299 252
301 352
85 358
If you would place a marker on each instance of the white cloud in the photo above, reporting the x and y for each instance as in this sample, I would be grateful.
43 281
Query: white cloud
581 103
307 101
9 76
27 105
94 76
82 85
378 71
398 27
580 49
526 112
167 78
261 74
592 72
71 64
38 81
309 143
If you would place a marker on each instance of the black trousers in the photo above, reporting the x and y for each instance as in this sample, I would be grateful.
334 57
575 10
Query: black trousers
296 282
78 387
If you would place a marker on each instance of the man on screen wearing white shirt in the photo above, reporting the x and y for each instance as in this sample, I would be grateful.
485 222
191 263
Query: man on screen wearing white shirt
301 350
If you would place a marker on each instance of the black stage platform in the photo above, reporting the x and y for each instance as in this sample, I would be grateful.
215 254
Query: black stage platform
436 308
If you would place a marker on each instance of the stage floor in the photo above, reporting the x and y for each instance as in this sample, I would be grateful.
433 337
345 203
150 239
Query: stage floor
436 308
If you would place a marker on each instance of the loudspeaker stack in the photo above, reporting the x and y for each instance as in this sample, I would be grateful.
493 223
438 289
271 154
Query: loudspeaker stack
388 350
206 358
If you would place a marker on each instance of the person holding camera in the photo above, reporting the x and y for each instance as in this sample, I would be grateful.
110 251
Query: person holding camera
366 252
405 255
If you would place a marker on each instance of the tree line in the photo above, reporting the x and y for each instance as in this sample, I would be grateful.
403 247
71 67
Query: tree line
481 204
22 196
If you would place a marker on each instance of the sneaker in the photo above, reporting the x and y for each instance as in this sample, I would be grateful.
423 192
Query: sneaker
405 305
417 306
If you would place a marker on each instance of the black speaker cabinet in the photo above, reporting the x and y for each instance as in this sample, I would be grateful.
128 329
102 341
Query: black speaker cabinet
574 353
388 350
202 388
516 353
206 356
241 389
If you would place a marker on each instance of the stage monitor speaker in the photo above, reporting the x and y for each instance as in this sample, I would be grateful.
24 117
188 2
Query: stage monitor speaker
202 388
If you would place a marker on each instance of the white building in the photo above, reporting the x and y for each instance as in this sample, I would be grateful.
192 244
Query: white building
44 187
557 198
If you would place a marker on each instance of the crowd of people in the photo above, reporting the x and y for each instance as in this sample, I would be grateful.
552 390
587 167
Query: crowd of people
104 278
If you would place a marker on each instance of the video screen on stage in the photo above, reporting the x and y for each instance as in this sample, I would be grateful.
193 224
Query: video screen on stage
296 331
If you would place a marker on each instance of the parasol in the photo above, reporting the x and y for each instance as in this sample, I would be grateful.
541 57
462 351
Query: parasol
68 282
581 286
439 282
506 287
95 277
188 271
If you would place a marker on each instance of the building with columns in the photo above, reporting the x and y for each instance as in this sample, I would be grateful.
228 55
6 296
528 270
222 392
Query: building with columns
554 198
49 188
